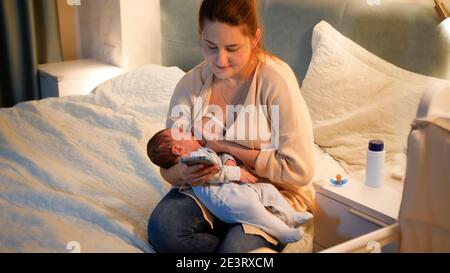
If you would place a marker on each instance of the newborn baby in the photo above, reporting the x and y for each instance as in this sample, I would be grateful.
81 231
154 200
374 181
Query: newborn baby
232 194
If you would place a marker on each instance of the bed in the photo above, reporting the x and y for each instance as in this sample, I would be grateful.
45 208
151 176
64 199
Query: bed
75 169
74 175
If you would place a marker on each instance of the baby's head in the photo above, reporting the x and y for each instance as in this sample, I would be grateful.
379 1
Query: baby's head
164 151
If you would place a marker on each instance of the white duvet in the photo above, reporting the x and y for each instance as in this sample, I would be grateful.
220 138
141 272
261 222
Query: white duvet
74 171
75 168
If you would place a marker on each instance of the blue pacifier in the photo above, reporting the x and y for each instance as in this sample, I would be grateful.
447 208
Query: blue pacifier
338 182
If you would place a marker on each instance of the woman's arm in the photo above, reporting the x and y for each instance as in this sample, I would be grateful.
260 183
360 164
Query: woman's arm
181 105
291 160
244 154
170 175
181 174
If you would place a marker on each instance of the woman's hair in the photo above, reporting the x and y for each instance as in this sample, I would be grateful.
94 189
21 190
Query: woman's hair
232 12
159 149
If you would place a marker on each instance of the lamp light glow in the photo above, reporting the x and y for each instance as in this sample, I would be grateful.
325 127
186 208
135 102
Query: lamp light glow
441 9
444 28
73 2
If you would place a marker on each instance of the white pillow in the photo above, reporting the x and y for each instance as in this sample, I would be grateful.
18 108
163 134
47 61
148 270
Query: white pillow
354 96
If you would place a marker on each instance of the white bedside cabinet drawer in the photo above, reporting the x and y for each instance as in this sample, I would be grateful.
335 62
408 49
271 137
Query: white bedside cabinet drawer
48 84
336 223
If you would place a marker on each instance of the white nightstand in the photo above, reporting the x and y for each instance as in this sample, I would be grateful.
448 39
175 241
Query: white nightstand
346 212
78 77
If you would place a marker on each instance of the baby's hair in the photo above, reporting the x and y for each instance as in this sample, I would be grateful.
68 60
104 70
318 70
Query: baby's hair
159 149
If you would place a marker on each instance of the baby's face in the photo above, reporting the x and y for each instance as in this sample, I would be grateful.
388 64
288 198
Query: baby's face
187 144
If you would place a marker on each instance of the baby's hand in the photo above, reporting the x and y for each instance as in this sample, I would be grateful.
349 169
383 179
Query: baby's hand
230 162
247 177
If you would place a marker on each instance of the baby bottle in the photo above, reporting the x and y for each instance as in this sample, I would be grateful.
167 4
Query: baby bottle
375 164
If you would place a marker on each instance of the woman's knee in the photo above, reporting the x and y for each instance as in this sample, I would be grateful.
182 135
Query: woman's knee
177 225
237 241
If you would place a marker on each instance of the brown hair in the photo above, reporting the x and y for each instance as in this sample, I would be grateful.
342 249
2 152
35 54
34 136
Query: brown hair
232 12
159 149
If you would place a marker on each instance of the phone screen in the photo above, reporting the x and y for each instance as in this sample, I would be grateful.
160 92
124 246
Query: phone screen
190 161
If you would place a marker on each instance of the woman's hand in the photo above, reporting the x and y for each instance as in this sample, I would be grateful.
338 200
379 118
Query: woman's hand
217 146
247 177
194 175
230 162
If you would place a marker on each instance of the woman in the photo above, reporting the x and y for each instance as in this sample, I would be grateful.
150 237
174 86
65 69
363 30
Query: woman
236 71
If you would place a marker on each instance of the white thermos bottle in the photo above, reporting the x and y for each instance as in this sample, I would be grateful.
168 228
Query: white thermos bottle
375 164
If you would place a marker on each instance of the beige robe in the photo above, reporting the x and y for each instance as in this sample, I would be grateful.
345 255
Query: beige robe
289 163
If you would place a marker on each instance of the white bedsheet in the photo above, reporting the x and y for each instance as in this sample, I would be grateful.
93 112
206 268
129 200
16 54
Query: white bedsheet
76 169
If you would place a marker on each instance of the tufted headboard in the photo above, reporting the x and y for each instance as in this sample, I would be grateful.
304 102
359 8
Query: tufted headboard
403 32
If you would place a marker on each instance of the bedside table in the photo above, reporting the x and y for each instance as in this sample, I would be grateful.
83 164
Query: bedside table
349 211
78 77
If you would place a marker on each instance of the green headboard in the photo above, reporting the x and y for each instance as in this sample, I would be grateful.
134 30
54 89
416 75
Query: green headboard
405 33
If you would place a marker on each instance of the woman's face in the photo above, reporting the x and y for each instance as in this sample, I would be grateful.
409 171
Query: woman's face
226 49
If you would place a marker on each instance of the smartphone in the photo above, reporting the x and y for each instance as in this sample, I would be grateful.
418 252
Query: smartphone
194 160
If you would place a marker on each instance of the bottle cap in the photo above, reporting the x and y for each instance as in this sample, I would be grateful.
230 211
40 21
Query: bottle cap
376 145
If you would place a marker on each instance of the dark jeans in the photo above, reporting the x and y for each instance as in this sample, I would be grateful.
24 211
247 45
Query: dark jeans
177 225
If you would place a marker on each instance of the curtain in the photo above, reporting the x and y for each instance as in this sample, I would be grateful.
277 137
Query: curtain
29 35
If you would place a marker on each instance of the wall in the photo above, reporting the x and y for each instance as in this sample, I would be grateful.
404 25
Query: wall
125 33
141 32
69 30
101 31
